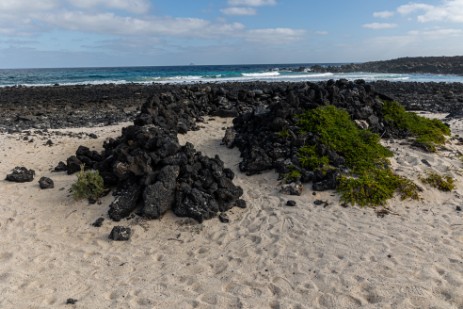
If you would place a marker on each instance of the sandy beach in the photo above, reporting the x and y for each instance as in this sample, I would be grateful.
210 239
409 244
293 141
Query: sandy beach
269 255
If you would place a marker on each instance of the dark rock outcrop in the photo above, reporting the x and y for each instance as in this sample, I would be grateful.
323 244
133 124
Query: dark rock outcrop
434 65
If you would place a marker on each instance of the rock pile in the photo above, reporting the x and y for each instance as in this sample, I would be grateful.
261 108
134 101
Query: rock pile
270 139
267 139
153 173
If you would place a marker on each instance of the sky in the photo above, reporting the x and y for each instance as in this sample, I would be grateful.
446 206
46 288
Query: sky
100 33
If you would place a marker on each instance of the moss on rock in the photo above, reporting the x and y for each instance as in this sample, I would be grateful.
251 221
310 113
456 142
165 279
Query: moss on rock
369 181
427 132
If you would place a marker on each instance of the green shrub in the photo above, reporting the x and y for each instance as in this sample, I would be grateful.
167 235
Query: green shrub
371 182
89 185
443 183
336 130
283 133
375 188
309 158
427 132
293 175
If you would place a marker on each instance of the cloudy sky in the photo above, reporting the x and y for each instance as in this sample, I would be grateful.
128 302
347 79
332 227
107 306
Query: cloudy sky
74 33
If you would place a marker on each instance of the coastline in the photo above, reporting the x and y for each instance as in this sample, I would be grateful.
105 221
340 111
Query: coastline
96 105
269 255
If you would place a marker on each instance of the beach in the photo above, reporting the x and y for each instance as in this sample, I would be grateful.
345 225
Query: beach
269 255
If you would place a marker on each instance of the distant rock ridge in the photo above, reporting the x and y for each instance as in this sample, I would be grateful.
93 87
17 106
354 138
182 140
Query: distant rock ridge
434 65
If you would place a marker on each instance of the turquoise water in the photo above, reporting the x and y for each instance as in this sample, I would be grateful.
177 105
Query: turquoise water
194 74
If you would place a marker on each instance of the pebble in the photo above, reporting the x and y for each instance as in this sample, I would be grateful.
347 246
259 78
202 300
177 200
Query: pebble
291 203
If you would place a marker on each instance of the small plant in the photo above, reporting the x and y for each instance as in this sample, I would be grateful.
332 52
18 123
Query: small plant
443 183
427 132
375 188
309 158
89 185
293 175
283 133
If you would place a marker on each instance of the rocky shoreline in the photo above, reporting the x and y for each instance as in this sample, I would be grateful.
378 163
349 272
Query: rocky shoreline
433 65
95 105
147 164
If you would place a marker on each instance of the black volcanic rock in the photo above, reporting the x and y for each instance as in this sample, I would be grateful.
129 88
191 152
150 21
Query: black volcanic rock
46 183
21 174
434 65
120 233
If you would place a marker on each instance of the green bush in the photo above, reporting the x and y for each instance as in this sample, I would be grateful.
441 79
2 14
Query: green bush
370 182
443 183
375 188
336 130
427 132
292 175
309 158
89 185
283 133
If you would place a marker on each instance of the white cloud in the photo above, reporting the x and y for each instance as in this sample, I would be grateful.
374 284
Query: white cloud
251 2
448 10
20 6
134 6
321 32
383 14
379 26
239 11
275 35
109 23
413 7
437 33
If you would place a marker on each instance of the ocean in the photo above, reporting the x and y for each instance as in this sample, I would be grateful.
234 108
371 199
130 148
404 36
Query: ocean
195 74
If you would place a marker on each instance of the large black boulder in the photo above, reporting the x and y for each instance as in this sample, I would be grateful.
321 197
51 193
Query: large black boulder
160 196
126 199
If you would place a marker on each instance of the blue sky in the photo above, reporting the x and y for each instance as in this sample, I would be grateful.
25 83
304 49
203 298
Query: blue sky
74 33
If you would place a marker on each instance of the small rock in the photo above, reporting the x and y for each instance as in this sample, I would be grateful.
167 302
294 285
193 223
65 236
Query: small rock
240 203
291 203
92 200
73 165
98 222
224 218
458 208
21 174
46 183
362 124
426 162
49 143
93 135
61 167
321 203
120 233
71 301
229 138
292 188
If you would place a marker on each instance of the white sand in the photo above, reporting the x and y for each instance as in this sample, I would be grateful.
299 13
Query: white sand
269 256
